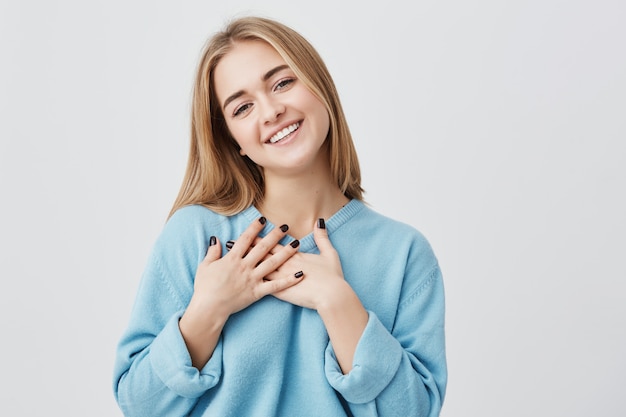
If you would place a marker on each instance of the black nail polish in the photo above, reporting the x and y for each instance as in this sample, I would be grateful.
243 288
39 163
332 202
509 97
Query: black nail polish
229 244
284 228
212 241
262 220
299 274
295 243
321 224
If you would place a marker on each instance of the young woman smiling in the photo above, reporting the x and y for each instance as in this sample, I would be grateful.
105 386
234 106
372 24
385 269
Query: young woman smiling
272 289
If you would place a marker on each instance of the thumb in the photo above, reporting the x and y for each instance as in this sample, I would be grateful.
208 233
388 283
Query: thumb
214 252
320 234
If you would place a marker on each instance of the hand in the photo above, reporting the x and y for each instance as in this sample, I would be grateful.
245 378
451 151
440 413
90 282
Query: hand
224 286
229 284
323 276
324 289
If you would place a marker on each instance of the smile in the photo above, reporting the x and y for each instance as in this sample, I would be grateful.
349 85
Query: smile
282 134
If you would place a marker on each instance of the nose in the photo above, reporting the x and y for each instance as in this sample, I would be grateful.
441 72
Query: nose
272 109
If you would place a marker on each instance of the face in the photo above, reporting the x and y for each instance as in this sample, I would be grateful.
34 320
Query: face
275 119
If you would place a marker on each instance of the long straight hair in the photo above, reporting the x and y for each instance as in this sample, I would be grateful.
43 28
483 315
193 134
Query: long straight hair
217 176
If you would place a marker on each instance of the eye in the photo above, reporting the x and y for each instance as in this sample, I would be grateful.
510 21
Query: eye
242 109
282 84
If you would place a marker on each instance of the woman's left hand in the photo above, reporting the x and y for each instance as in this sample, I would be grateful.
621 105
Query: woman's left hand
322 274
323 288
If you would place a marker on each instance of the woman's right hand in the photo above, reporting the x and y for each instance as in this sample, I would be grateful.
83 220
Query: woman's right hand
228 284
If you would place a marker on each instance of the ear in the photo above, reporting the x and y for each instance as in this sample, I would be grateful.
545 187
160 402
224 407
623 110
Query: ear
241 152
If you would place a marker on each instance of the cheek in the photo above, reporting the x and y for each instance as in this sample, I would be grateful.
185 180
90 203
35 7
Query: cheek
244 135
321 114
324 119
237 131
327 120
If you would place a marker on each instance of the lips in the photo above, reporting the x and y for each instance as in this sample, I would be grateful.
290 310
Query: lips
283 133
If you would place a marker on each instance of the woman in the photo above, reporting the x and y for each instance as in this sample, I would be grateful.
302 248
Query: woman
272 289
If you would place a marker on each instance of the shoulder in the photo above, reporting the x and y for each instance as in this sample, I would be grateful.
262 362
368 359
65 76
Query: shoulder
422 272
194 215
395 238
201 222
396 229
188 221
376 245
185 230
194 225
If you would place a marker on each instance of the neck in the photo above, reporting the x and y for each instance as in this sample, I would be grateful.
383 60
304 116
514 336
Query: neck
299 201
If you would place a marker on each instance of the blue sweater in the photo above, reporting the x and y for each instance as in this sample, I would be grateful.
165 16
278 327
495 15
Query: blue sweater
274 358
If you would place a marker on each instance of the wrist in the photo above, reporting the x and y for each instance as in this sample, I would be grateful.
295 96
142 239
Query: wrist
345 319
339 297
200 330
199 319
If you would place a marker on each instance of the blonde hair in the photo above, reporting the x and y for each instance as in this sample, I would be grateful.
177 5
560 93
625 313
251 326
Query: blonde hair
217 176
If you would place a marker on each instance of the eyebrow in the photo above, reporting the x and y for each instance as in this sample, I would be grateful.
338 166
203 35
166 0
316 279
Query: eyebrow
265 77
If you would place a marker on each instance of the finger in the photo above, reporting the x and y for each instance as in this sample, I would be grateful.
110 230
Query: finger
320 235
278 274
242 245
214 252
276 285
271 263
265 245
276 248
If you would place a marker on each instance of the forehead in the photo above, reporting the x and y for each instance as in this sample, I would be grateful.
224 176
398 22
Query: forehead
244 65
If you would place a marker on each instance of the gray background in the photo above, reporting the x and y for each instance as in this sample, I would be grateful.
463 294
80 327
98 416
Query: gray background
496 128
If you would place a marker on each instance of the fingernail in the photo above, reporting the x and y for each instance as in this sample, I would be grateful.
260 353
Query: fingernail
295 243
212 241
229 244
284 228
262 220
299 274
321 224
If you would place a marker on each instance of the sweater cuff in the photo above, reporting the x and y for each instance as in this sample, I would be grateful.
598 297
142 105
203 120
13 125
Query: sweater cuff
171 361
376 361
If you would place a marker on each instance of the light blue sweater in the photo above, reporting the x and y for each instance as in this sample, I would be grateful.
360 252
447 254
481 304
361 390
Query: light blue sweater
274 358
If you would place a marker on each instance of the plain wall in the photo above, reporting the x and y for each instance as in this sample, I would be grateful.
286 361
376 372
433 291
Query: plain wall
496 128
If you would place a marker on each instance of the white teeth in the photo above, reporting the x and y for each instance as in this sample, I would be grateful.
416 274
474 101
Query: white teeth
289 129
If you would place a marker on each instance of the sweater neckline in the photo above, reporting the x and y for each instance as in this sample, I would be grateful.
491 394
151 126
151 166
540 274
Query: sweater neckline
307 243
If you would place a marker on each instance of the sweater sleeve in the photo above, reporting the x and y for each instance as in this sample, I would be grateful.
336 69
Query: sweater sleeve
402 371
153 374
